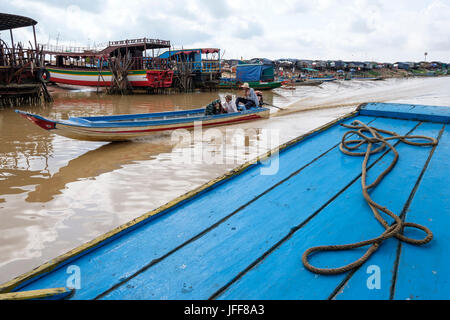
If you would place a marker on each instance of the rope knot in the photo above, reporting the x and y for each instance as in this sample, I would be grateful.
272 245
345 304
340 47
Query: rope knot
394 230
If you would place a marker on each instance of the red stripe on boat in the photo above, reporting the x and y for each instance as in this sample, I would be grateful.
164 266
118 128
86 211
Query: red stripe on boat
44 124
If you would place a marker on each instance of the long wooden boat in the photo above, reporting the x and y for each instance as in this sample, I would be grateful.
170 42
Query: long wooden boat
325 79
307 82
218 242
95 78
129 127
367 78
259 85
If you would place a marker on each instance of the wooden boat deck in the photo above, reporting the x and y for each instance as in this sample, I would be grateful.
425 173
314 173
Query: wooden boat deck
140 118
242 236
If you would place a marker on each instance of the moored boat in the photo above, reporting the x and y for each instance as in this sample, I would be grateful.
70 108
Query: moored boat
128 127
307 82
324 79
121 61
258 76
104 78
367 78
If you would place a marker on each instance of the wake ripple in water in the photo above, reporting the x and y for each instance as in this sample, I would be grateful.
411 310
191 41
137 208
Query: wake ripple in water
350 93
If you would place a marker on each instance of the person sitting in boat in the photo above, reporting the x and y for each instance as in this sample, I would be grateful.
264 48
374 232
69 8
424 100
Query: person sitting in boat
229 105
214 107
250 100
260 98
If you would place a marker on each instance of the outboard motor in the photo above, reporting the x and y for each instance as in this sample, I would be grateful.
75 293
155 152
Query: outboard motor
260 98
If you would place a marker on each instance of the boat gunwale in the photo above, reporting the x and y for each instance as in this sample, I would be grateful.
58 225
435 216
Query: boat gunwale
83 71
141 115
422 115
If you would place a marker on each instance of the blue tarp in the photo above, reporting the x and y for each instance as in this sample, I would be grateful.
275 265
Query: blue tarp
248 72
402 65
254 72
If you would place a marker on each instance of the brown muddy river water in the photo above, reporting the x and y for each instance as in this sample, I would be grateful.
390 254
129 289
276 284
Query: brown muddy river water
57 193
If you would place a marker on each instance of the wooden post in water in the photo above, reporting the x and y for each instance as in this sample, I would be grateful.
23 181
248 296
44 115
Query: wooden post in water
36 46
119 67
12 48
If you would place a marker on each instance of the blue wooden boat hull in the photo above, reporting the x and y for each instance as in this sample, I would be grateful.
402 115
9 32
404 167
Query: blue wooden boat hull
250 246
129 127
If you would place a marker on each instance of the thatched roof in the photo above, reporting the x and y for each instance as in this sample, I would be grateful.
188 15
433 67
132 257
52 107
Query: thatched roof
12 21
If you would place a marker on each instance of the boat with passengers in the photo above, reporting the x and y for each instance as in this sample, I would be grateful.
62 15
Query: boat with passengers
132 126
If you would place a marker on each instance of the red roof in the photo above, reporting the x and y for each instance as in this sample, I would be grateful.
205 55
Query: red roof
210 50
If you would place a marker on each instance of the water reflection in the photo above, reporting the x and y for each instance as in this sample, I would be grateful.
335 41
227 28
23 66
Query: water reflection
22 147
94 163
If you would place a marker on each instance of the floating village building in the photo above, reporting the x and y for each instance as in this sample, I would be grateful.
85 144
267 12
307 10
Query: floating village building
195 68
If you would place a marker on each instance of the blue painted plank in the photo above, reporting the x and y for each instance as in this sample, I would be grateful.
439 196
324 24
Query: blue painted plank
384 258
348 219
423 272
407 111
141 115
110 264
198 270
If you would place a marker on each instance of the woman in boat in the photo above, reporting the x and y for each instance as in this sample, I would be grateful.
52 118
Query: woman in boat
229 105
250 100
214 107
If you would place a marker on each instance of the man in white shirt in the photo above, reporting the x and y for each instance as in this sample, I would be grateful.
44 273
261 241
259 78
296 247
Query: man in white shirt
229 105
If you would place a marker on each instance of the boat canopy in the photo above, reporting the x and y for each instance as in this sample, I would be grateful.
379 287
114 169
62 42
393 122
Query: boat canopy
12 21
210 50
254 72
172 53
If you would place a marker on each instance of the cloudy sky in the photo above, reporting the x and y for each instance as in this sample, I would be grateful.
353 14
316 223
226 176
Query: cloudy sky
379 30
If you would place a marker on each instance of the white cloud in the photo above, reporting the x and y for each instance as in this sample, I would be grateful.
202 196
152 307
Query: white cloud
381 30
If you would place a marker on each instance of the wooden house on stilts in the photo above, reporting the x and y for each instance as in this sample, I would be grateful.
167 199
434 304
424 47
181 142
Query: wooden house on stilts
22 75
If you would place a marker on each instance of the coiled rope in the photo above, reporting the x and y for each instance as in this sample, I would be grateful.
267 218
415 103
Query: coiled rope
349 147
